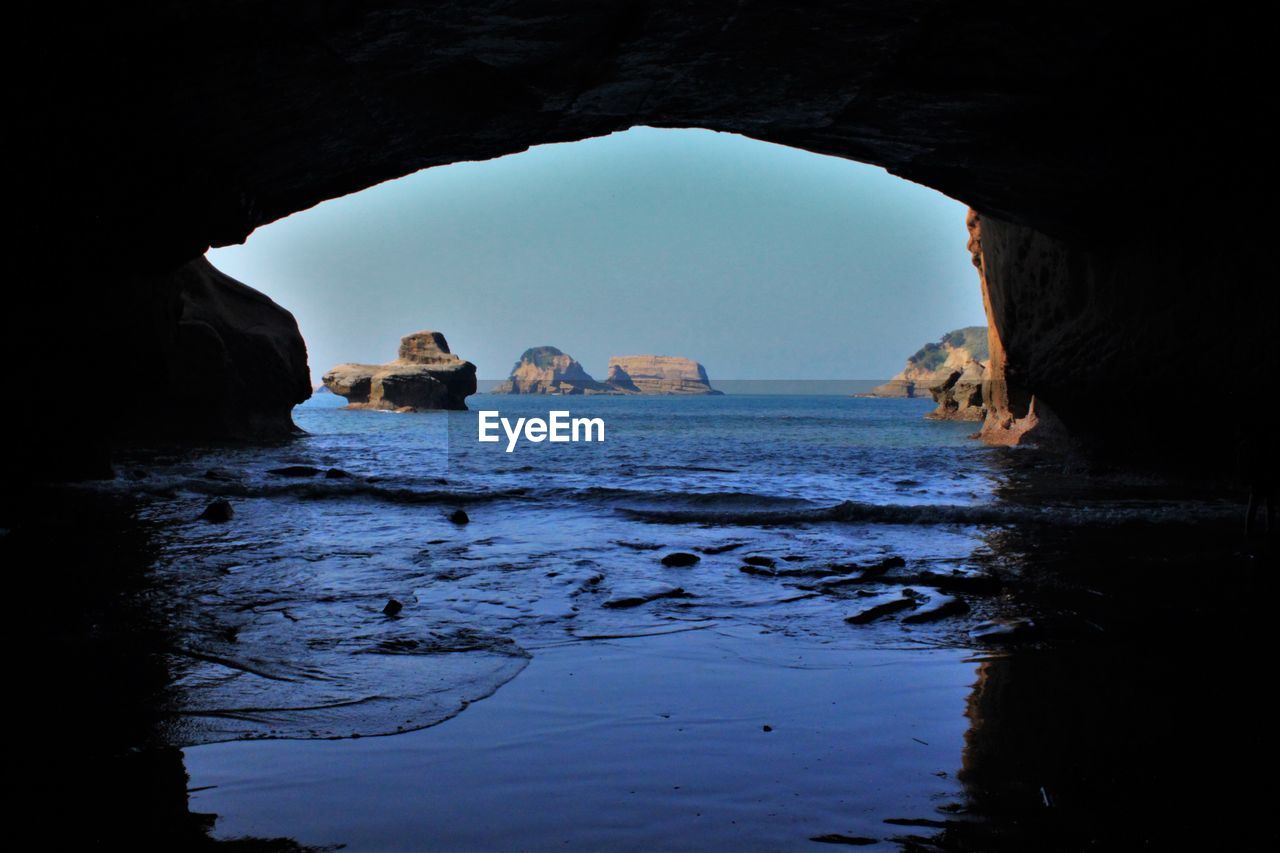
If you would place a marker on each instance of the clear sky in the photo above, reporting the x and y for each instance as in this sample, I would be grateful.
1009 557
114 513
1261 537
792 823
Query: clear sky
760 261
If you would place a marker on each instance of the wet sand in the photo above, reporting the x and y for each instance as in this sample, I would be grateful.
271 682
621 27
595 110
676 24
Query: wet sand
641 743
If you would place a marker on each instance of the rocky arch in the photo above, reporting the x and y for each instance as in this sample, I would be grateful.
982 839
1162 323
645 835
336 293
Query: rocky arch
1101 146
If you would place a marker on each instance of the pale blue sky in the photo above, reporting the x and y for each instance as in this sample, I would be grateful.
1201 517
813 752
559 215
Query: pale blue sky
760 261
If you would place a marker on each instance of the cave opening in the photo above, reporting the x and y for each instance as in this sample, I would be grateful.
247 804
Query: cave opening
760 261
218 585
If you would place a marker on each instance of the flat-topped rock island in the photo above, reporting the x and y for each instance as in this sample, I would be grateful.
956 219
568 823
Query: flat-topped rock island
658 374
425 376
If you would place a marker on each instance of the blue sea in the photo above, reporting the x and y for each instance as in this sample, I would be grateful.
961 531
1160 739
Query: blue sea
548 628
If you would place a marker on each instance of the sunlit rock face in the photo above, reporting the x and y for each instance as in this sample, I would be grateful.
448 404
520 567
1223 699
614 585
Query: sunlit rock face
1085 136
547 370
959 396
658 374
425 376
936 363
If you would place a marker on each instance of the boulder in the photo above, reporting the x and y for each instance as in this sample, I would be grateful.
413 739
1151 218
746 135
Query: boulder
218 510
426 375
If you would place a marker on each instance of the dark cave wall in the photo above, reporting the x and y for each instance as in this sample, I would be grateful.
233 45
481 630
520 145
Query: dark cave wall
1108 148
1146 348
185 354
178 125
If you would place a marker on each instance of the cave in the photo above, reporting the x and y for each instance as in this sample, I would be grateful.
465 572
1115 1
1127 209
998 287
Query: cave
1111 162
1100 148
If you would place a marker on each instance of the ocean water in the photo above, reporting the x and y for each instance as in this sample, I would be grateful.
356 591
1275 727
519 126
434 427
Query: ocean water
280 611
550 681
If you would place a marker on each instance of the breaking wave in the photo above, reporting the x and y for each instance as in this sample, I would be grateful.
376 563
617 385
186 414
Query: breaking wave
929 514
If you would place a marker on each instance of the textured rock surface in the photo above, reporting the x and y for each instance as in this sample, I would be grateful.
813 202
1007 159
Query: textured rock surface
225 361
425 376
1013 414
658 374
1113 154
960 395
935 364
547 370
300 102
239 365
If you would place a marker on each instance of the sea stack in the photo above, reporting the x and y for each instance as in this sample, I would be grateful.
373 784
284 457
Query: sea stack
658 374
547 370
425 376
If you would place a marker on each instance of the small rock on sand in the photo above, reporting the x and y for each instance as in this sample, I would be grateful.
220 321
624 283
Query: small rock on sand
935 607
336 474
680 559
459 516
392 607
765 562
634 598
1005 631
883 605
219 510
961 580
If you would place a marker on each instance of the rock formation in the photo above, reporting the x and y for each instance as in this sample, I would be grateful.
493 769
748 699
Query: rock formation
225 361
658 374
239 362
547 370
1013 415
934 364
426 375
960 395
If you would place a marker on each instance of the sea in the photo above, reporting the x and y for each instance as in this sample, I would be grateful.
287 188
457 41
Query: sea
405 638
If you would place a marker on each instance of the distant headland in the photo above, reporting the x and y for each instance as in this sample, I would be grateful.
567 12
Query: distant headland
951 371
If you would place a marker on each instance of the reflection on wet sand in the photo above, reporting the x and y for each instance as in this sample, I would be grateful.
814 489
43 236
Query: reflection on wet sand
91 764
1129 718
1133 719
